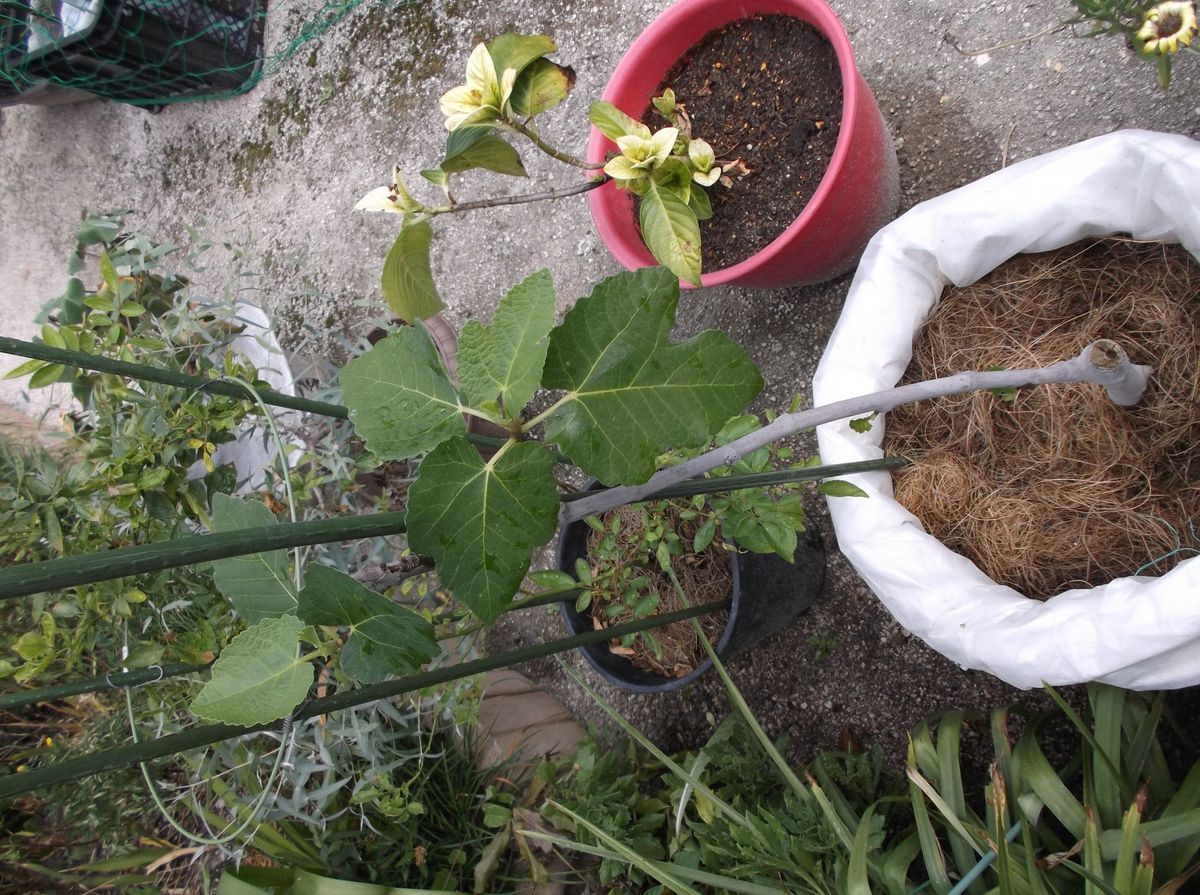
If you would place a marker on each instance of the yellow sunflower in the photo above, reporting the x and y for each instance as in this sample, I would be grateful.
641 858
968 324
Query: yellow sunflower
1167 27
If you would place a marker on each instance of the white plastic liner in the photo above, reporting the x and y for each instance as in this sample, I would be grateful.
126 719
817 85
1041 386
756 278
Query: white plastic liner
1136 632
254 450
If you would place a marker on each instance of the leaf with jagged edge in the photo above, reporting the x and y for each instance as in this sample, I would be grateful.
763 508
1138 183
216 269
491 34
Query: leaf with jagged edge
258 677
258 585
385 637
480 521
407 279
631 393
504 358
401 401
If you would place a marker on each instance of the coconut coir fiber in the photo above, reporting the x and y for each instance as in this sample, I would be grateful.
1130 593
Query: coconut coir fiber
1056 486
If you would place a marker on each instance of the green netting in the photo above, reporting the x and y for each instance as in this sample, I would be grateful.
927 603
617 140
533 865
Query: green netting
149 52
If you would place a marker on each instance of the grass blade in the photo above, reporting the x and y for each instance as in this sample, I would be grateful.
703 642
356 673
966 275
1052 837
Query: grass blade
1174 858
653 869
931 848
949 782
1091 853
1157 832
843 831
1039 776
1131 842
894 873
702 877
1108 709
1125 791
1142 724
955 823
691 778
740 706
857 880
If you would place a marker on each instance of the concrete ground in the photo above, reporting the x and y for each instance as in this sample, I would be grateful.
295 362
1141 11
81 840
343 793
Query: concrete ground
278 171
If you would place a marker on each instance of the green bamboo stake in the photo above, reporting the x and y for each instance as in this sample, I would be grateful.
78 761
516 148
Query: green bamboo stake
55 574
136 753
85 361
718 484
138 676
144 372
155 673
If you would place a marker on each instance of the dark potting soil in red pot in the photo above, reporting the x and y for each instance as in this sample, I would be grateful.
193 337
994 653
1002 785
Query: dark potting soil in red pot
766 90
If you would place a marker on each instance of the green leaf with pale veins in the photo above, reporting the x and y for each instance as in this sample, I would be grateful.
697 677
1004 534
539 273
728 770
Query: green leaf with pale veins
614 123
518 51
407 280
258 677
258 585
631 393
505 358
671 231
474 146
385 637
480 521
541 87
401 401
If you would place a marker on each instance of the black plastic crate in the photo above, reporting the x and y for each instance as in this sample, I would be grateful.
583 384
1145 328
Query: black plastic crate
157 49
13 14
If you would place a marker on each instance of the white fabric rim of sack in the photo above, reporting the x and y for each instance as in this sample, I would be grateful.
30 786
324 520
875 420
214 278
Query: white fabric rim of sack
1135 632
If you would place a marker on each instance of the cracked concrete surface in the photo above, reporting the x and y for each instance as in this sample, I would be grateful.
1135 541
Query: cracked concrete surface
279 170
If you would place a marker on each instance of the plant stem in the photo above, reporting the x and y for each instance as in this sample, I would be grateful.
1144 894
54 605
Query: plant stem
541 144
523 199
1103 363
151 675
54 574
143 372
544 415
123 756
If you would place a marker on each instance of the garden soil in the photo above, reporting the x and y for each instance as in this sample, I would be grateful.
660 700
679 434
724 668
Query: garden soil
964 87
766 94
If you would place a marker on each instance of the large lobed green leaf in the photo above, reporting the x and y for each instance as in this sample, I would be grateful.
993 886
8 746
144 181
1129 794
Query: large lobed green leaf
407 280
385 638
258 677
504 359
257 585
401 401
480 521
631 393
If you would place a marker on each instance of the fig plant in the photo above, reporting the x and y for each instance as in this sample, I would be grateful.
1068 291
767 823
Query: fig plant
618 394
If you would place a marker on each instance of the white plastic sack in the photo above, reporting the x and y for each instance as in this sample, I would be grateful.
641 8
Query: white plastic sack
253 450
1136 632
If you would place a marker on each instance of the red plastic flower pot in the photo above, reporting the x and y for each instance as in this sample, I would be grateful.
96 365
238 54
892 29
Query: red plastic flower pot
857 195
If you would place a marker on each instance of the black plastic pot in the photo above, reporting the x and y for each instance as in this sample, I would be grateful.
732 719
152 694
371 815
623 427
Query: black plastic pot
768 593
